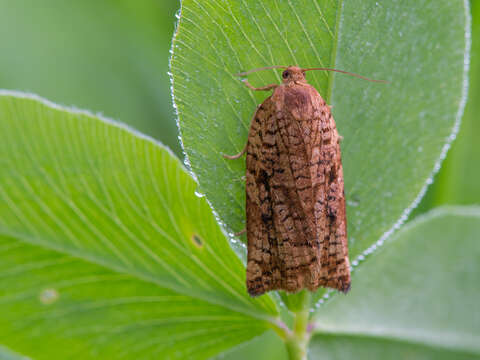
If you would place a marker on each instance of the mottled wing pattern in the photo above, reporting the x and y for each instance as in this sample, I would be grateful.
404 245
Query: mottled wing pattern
296 224
264 270
322 145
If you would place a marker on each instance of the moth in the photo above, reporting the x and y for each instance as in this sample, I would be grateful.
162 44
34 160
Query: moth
295 202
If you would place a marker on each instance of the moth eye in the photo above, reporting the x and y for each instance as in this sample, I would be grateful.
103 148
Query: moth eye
286 74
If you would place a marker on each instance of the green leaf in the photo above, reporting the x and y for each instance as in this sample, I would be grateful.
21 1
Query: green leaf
457 182
394 134
105 250
416 298
267 346
107 56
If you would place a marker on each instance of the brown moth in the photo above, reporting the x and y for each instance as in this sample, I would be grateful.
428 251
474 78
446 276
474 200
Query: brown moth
295 202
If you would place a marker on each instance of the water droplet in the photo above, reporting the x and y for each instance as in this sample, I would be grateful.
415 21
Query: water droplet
352 203
199 194
49 296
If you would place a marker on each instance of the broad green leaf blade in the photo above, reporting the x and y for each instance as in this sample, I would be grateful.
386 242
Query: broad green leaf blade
107 56
56 306
393 133
417 298
214 41
94 192
267 346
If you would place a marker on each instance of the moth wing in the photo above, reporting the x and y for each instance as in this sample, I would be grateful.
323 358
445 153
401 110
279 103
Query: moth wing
326 171
296 226
309 140
263 269
334 254
283 250
293 192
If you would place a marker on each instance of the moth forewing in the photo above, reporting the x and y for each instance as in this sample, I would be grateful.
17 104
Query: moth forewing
295 203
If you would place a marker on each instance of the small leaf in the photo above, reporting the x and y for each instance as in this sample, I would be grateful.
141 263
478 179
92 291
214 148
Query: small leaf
417 298
105 251
394 134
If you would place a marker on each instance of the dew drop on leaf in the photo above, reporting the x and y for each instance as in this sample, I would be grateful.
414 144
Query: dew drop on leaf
48 296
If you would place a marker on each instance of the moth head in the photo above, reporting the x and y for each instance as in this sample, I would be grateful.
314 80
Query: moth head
293 74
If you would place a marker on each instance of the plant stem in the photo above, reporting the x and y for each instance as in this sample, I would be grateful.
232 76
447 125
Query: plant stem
298 339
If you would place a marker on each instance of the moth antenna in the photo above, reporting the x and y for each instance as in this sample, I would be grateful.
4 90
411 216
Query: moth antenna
260 69
348 73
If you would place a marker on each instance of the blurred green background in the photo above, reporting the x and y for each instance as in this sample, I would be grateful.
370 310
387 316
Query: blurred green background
111 56
459 178
108 56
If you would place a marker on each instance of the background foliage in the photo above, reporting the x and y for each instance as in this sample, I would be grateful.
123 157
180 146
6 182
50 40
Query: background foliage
111 56
457 182
106 56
